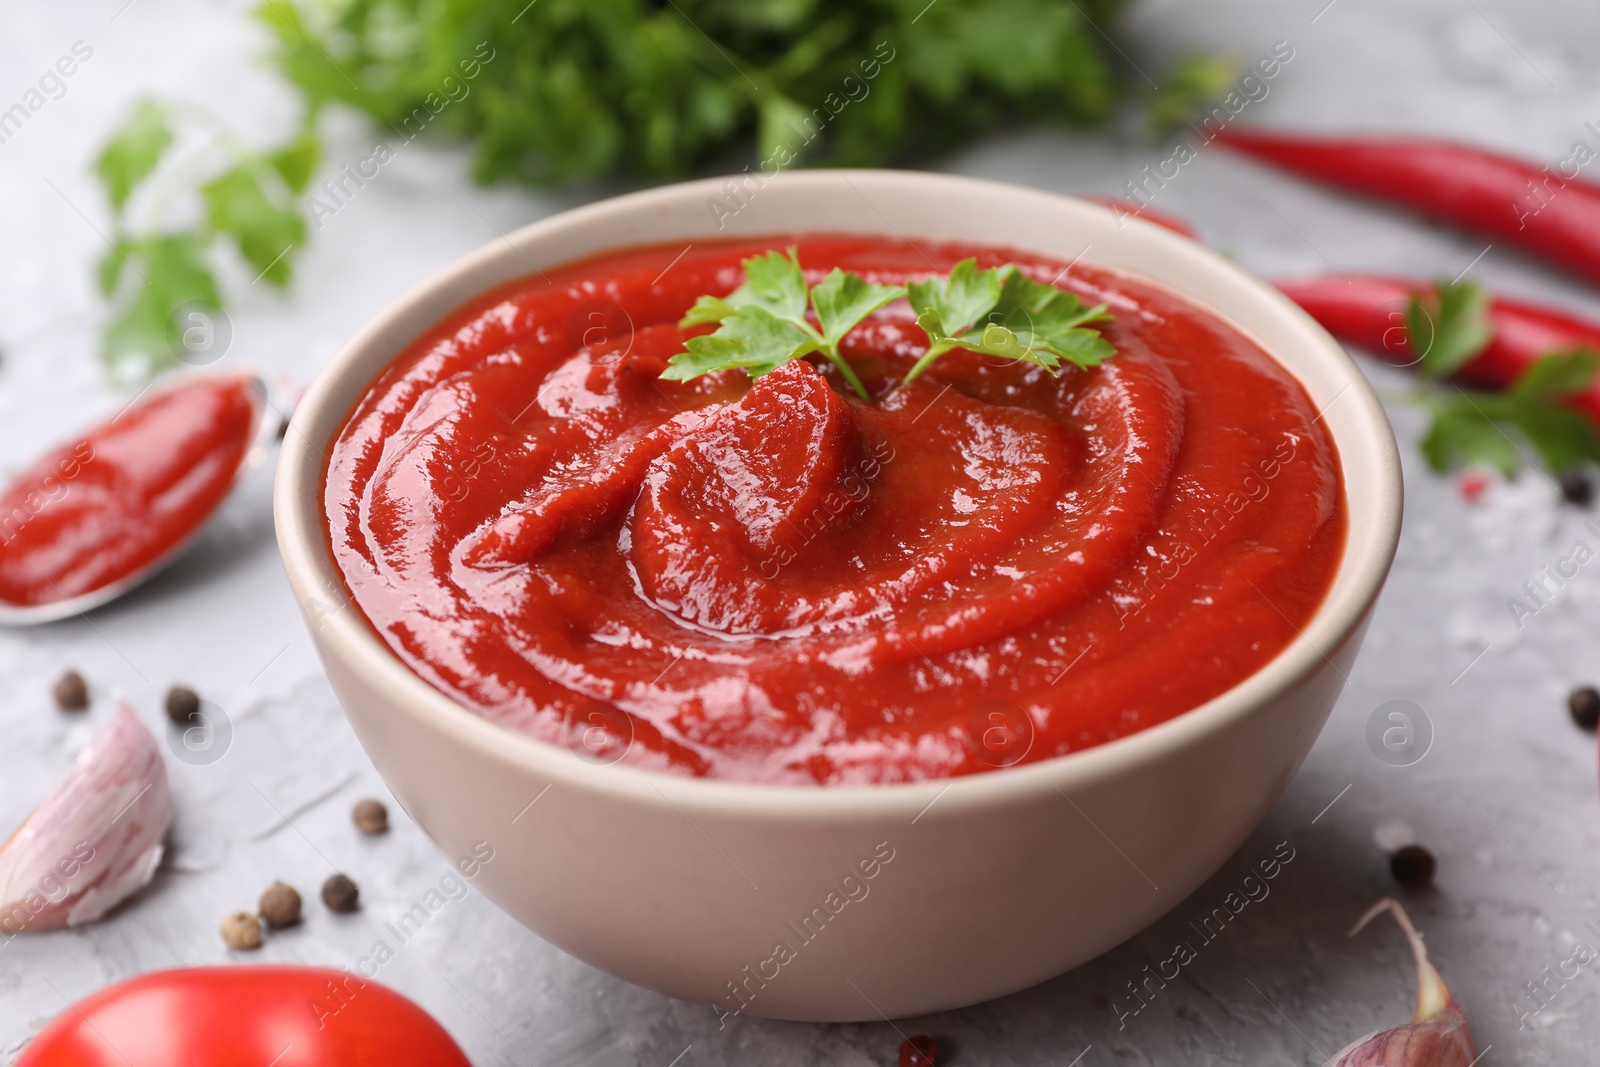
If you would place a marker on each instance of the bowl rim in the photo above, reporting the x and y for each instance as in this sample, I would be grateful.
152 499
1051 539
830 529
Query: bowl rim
313 573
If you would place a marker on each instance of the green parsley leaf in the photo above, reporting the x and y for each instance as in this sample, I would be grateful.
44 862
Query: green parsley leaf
1191 86
1002 312
1464 432
763 325
108 271
707 310
1448 327
843 299
172 272
782 127
774 282
237 206
955 303
1563 438
134 152
1479 427
252 203
752 339
1049 322
706 355
1557 375
297 161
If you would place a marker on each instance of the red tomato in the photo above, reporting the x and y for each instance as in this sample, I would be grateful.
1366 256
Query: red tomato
226 1016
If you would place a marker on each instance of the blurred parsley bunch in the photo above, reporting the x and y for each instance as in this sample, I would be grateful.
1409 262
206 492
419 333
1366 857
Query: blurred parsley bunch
555 91
590 88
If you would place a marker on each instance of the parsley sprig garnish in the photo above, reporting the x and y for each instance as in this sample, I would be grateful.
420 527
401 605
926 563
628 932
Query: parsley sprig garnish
1447 329
764 325
999 312
1004 313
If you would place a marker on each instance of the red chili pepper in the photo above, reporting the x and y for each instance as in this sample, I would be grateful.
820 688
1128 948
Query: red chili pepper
1139 211
285 1016
1543 211
1369 311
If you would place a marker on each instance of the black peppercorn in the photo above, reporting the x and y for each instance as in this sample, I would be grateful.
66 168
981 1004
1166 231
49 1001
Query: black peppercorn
1413 867
1584 704
280 905
71 692
370 816
183 705
340 894
1576 488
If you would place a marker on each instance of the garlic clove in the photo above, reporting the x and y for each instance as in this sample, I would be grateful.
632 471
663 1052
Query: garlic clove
95 840
1437 1035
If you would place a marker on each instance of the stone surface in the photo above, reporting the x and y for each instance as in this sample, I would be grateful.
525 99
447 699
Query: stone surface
1506 798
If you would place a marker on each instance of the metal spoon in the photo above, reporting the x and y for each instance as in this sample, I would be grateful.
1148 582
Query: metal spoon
263 434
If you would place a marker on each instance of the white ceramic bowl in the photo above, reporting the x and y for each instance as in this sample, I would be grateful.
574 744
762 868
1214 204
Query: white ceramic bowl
997 880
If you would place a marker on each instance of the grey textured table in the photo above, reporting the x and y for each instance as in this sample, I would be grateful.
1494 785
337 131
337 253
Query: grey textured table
1506 797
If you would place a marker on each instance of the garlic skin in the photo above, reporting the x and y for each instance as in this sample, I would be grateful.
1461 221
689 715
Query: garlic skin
95 840
1436 1036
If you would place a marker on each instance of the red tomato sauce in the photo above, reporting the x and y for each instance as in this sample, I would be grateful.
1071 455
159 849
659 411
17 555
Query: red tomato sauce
124 494
778 582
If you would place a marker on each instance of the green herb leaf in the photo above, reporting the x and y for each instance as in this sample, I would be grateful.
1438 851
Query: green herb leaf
707 310
1557 375
237 206
752 339
252 204
172 272
1191 86
782 128
134 151
1464 432
843 299
108 271
1564 438
705 355
1478 427
297 161
956 303
1049 322
774 282
763 322
1448 327
1002 312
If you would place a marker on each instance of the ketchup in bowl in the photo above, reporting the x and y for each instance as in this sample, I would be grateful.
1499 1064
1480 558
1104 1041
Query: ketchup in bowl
778 581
